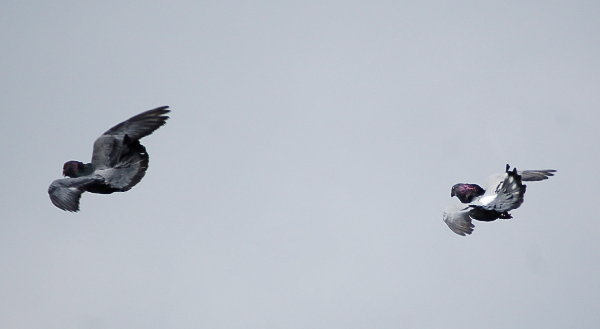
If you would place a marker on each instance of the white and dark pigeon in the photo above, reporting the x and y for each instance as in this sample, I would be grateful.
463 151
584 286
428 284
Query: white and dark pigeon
503 193
119 161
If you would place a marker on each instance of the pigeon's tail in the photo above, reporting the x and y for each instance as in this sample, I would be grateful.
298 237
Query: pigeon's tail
536 175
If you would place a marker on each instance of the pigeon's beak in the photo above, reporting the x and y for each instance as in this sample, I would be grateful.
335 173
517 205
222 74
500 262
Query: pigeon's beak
452 193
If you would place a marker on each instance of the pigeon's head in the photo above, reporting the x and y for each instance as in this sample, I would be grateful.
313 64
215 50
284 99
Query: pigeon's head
73 169
466 193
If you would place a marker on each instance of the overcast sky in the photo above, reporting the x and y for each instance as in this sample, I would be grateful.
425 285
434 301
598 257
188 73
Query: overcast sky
301 179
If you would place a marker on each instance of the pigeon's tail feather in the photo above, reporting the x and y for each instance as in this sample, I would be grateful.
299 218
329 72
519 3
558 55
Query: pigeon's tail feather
536 175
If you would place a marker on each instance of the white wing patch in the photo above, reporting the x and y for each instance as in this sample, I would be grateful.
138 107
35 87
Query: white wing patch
488 199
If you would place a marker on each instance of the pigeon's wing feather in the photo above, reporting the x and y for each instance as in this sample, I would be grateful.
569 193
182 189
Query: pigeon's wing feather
112 146
536 175
65 193
107 151
458 220
142 124
508 194
130 168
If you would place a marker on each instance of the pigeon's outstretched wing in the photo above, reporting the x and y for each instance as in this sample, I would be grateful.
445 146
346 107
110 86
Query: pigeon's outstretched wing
141 125
65 193
458 220
113 145
508 194
536 175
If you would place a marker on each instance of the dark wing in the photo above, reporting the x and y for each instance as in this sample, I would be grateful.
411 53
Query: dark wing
129 169
107 151
458 220
508 195
65 193
142 124
536 175
112 147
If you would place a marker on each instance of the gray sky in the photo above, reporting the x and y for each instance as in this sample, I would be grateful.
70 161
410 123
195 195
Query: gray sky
301 179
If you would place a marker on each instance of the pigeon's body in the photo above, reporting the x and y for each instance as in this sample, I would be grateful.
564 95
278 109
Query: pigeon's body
118 163
503 193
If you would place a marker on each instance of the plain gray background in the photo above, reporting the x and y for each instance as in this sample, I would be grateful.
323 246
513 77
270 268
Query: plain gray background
301 179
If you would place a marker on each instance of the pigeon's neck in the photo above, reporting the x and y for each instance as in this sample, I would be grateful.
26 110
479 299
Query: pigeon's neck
88 169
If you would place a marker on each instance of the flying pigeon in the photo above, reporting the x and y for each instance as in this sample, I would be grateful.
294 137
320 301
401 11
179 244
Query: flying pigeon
504 192
119 161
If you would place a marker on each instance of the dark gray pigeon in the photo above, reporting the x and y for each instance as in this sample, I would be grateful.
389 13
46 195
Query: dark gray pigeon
504 192
119 161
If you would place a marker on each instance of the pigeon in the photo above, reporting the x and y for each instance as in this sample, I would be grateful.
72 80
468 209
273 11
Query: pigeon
118 163
504 192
